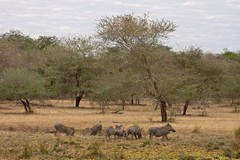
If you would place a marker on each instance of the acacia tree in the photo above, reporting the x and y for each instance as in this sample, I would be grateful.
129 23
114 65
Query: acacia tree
19 74
116 81
203 74
230 88
189 61
139 38
70 67
20 83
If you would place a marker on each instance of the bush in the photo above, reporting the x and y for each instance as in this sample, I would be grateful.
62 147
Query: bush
196 129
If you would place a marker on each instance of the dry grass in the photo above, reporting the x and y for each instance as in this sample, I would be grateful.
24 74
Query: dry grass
24 134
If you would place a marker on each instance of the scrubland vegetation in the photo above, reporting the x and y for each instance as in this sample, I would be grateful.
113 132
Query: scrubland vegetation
123 74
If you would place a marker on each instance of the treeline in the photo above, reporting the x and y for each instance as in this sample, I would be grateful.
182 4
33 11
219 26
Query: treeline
125 61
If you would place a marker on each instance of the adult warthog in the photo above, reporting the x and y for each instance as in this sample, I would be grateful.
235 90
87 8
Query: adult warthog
117 131
64 129
160 131
135 131
96 129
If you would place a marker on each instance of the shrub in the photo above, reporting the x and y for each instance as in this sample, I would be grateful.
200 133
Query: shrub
196 129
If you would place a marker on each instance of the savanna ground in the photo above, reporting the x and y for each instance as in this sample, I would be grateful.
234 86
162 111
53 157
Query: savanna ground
203 134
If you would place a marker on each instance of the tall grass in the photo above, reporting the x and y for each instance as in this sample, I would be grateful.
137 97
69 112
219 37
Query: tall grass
26 152
237 134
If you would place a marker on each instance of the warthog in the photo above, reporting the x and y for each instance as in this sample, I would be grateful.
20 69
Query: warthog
96 129
135 131
117 131
122 133
160 131
64 129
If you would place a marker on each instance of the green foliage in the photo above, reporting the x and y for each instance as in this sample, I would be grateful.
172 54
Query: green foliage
43 42
231 54
132 30
18 83
133 62
22 41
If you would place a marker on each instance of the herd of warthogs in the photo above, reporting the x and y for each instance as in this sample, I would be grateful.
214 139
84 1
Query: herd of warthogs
118 131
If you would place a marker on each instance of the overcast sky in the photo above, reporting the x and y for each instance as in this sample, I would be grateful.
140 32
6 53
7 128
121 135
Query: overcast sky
209 24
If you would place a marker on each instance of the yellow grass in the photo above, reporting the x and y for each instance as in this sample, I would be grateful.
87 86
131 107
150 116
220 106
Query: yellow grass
220 123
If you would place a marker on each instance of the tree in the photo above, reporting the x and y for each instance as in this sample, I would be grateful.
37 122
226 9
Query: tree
42 42
230 88
70 67
202 75
20 64
113 82
22 84
139 38
189 61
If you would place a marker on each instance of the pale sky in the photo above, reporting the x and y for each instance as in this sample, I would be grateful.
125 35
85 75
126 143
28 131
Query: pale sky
209 24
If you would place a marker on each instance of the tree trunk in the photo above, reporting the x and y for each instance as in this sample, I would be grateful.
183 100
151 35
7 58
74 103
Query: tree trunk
185 107
138 102
78 98
132 100
163 111
156 94
26 104
156 106
123 105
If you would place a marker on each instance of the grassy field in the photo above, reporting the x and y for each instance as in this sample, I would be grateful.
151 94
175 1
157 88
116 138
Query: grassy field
22 136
